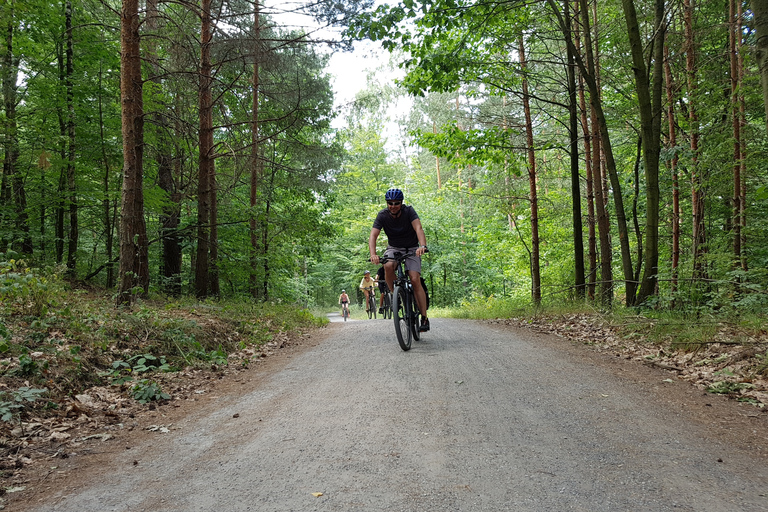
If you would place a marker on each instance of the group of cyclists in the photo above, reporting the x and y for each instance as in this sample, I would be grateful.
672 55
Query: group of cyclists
367 285
405 235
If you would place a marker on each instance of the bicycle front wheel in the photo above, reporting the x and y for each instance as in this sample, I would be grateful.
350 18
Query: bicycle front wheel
400 309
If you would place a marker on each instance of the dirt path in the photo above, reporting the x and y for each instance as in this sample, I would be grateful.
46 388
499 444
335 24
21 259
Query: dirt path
474 417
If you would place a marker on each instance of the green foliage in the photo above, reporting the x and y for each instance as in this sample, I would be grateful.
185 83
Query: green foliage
27 366
724 387
148 391
13 402
24 290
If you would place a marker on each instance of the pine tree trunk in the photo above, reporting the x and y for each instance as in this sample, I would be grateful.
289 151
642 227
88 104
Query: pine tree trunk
134 268
578 236
205 135
533 195
256 161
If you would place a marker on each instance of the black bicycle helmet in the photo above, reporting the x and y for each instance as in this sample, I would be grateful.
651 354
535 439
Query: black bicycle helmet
394 194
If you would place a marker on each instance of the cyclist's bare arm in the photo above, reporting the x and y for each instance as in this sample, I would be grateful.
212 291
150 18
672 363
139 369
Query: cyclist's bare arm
421 236
372 245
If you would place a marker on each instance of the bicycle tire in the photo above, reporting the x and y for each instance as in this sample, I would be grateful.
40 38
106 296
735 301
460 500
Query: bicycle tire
371 306
345 313
400 314
388 305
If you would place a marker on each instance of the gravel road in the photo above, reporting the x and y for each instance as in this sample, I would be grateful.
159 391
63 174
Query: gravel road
475 417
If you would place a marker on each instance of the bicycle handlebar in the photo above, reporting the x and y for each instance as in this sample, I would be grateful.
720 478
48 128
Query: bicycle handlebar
398 256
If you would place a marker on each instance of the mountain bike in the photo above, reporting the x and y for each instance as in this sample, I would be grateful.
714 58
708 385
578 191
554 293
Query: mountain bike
404 309
371 304
386 305
345 311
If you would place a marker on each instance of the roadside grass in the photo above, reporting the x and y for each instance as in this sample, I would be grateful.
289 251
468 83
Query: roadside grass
63 340
686 331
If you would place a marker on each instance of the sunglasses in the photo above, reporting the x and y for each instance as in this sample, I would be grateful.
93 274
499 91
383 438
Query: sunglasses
394 203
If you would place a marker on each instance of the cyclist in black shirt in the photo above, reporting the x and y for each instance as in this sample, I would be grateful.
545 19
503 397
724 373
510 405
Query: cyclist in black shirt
402 226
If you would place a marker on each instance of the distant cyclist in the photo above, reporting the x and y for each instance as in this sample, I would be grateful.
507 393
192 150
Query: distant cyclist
344 301
402 226
366 284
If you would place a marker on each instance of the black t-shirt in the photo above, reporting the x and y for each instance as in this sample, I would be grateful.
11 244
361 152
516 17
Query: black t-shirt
399 231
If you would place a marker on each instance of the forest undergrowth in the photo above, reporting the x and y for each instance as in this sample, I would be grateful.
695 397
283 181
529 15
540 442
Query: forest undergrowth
76 368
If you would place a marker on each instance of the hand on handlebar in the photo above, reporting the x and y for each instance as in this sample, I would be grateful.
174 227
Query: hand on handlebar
374 259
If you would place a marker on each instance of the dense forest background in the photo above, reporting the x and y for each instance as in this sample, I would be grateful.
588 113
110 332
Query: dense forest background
608 151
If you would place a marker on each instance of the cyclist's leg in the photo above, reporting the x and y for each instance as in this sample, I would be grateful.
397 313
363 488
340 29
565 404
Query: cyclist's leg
418 292
389 267
389 275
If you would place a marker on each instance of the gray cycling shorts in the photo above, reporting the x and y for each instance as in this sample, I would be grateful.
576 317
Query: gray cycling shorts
412 262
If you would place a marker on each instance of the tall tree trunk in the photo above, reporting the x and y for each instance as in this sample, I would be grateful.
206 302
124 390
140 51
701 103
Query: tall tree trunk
171 252
733 47
649 100
213 275
672 145
736 127
591 218
533 195
760 21
588 71
60 201
74 230
202 272
256 161
743 121
134 269
578 237
698 195
13 183
106 204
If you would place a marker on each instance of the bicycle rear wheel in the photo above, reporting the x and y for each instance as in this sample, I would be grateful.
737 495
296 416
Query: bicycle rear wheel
400 310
